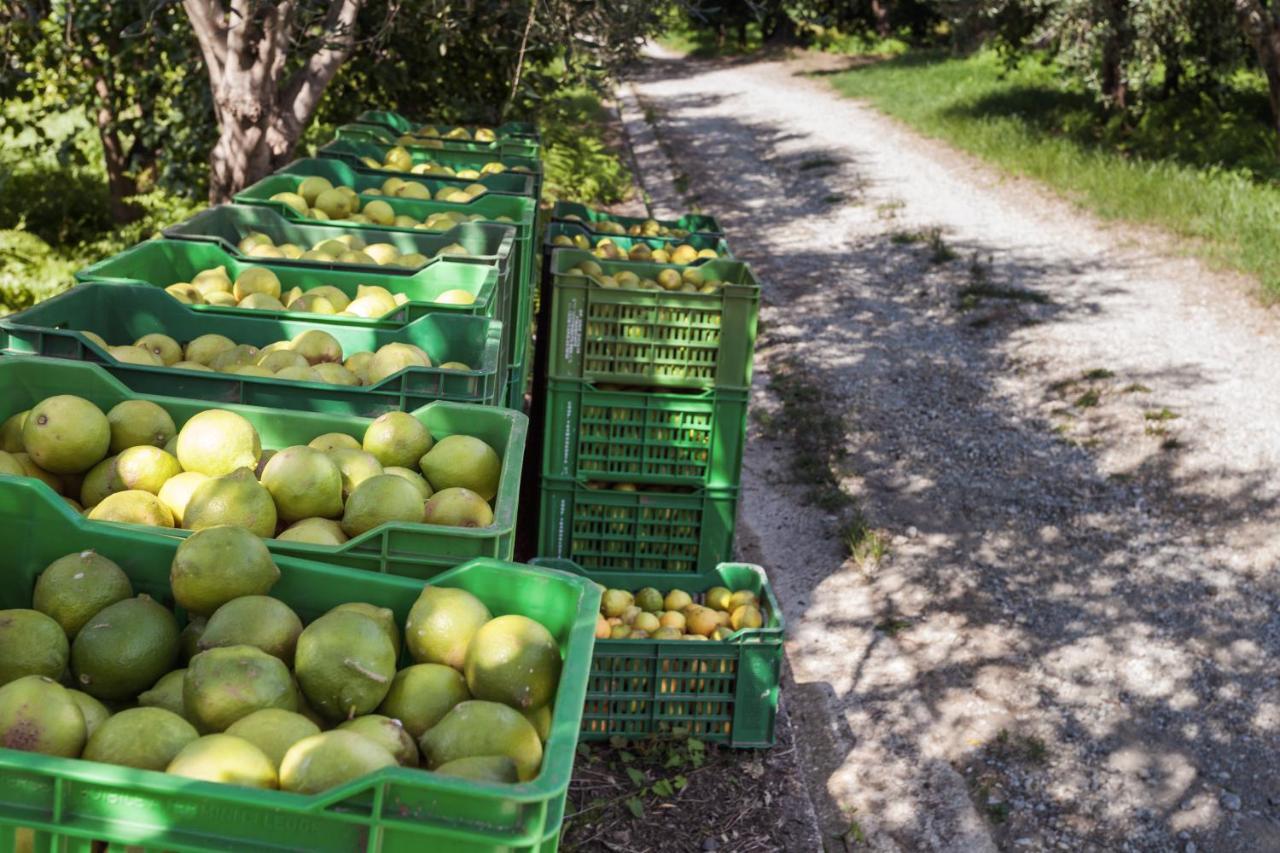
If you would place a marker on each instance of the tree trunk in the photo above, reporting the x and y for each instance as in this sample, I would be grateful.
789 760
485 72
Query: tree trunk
1114 52
880 14
1262 26
261 112
120 185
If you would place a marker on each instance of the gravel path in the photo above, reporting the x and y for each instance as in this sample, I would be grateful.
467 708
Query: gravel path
1069 434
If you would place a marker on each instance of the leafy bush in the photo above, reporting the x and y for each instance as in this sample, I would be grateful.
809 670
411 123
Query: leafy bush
578 163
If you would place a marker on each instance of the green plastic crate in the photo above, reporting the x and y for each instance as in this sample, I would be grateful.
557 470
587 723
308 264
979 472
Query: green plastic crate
383 135
694 223
160 263
573 231
123 313
342 171
400 124
353 152
721 691
649 337
85 805
228 224
411 550
613 533
522 211
642 436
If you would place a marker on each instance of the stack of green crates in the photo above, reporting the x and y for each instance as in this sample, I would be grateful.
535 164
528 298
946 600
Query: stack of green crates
56 347
645 413
724 691
362 151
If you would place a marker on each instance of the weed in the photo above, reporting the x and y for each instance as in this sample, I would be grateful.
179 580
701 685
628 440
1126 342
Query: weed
893 627
905 238
1135 388
854 834
1161 415
833 198
939 251
889 209
1097 374
1088 399
865 543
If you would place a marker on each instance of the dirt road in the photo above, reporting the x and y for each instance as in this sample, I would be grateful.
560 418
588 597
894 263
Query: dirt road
1069 435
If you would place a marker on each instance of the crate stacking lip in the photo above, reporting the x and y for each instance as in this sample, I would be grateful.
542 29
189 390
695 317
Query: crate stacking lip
412 550
656 436
694 223
353 151
123 313
511 146
399 123
228 224
577 232
720 691
347 167
617 533
647 337
75 804
160 263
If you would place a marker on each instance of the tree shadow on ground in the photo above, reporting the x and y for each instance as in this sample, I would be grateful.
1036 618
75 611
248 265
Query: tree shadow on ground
1058 616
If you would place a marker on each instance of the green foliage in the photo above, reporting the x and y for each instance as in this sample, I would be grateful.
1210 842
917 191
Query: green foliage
578 163
1201 167
454 62
128 64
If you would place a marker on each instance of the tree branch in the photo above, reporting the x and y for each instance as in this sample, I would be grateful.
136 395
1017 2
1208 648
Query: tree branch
301 95
209 35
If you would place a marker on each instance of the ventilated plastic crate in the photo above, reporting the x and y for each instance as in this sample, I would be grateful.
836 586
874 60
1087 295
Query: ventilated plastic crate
71 804
586 239
611 532
693 223
121 314
346 171
721 691
383 135
412 550
652 337
160 263
645 435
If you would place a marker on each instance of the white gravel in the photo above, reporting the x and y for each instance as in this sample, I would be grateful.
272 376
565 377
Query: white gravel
1079 576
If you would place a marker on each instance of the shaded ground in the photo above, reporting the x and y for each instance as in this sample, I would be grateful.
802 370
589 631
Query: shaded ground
1065 634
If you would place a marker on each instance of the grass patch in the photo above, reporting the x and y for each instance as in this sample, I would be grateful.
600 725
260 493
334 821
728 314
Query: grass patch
1088 399
1202 169
1135 388
1098 374
939 251
893 627
1164 414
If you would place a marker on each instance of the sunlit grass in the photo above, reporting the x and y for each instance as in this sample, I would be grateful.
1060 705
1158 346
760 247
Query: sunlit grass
1204 171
